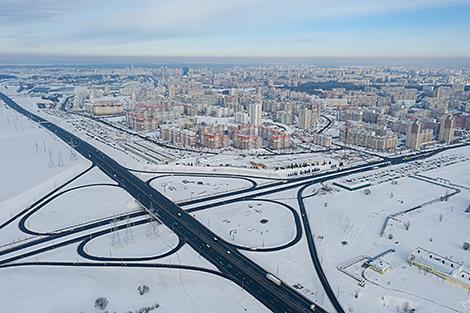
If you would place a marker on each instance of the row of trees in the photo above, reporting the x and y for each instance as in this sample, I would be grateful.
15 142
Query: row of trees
101 303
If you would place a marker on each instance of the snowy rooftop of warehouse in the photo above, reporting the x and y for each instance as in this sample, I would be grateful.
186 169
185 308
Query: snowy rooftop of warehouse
435 261
352 183
380 264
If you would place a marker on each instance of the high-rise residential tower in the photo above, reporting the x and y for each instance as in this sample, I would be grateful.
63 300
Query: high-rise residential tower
255 113
446 130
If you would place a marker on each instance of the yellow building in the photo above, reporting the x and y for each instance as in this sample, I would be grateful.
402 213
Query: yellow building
440 266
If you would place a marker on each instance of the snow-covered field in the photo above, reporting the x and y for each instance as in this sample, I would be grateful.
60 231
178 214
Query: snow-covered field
347 224
251 224
179 188
456 173
147 240
272 162
31 156
80 206
62 289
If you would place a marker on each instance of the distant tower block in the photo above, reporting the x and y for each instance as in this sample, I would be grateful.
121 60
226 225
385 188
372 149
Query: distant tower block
107 90
171 91
446 130
305 118
77 102
255 114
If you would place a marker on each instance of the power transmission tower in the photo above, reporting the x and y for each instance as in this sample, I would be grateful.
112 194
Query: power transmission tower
60 161
51 160
73 155
129 237
116 239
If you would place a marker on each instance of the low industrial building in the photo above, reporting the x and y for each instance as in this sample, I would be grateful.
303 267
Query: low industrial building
379 265
440 266
352 184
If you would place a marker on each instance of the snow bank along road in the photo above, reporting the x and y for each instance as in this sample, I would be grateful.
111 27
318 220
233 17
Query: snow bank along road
278 297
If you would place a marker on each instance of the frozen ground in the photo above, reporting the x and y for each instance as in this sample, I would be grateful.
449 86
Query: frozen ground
249 172
179 188
93 176
347 224
251 224
441 227
147 240
31 156
456 174
11 232
80 206
74 290
68 122
357 215
272 162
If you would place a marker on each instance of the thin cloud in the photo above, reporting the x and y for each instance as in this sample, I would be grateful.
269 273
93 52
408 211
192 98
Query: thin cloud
188 25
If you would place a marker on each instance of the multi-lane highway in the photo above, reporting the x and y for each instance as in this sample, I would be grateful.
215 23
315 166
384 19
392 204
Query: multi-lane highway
327 126
249 275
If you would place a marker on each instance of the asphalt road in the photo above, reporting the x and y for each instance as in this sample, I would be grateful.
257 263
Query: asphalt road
37 202
23 222
313 252
328 125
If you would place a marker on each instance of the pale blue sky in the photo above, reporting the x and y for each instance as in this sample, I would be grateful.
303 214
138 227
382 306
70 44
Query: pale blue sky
290 28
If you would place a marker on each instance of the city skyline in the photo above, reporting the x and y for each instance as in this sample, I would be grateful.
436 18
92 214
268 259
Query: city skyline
233 188
63 30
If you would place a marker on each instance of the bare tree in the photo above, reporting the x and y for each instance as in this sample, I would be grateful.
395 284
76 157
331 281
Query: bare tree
466 245
143 289
101 303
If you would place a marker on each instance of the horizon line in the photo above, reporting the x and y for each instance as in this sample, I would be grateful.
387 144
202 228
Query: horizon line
66 59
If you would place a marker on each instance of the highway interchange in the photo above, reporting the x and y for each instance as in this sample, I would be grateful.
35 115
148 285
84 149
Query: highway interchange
231 263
